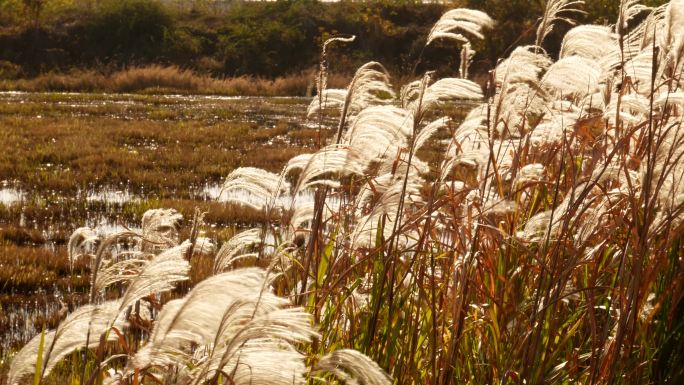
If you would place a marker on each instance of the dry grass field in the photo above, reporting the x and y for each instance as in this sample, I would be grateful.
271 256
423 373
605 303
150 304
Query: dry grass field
157 79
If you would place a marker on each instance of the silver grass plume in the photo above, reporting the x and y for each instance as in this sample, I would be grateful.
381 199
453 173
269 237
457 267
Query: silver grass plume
639 68
259 361
673 39
353 367
108 248
457 21
594 42
330 99
340 160
555 11
558 122
369 86
518 90
641 37
572 76
366 199
513 105
258 348
429 130
668 172
160 228
379 132
674 19
409 92
387 192
547 224
119 272
503 153
669 99
283 256
529 174
540 226
263 185
523 65
536 227
399 164
204 246
629 9
470 136
160 274
634 109
446 90
490 204
73 333
303 214
80 242
674 59
234 249
322 80
196 318
470 145
225 319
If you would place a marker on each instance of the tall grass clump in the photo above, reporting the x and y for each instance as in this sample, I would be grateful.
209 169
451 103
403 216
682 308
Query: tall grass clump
144 323
546 247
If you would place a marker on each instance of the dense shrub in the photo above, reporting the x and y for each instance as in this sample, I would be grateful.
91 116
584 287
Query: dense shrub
130 29
249 38
9 70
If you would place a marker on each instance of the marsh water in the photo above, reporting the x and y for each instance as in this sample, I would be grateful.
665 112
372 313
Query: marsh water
44 197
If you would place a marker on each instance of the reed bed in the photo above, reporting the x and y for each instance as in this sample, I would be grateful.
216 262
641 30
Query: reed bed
545 249
159 79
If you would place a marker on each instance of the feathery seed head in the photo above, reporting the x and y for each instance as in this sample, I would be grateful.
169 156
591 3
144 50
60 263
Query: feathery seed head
456 22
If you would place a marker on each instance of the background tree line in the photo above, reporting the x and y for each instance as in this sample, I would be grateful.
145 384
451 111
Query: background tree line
267 39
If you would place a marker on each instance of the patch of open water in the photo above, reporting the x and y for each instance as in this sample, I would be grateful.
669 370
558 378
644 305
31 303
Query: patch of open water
10 196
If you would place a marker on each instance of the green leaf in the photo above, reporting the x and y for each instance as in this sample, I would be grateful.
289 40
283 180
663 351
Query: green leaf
325 260
39 359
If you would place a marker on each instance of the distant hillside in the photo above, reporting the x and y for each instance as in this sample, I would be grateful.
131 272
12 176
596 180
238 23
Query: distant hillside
264 39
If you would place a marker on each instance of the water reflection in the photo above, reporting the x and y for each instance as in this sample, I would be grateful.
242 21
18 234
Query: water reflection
10 196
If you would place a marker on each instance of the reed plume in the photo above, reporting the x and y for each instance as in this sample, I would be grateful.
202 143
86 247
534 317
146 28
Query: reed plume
351 366
263 185
233 250
160 228
80 244
456 22
72 334
555 11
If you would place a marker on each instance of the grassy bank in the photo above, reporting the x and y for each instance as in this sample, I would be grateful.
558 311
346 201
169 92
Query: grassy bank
158 79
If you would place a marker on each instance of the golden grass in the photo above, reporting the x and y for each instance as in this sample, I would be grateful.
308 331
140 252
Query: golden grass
161 146
158 79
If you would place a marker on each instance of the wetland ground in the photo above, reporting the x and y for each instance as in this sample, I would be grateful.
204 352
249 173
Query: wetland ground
69 160
101 160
